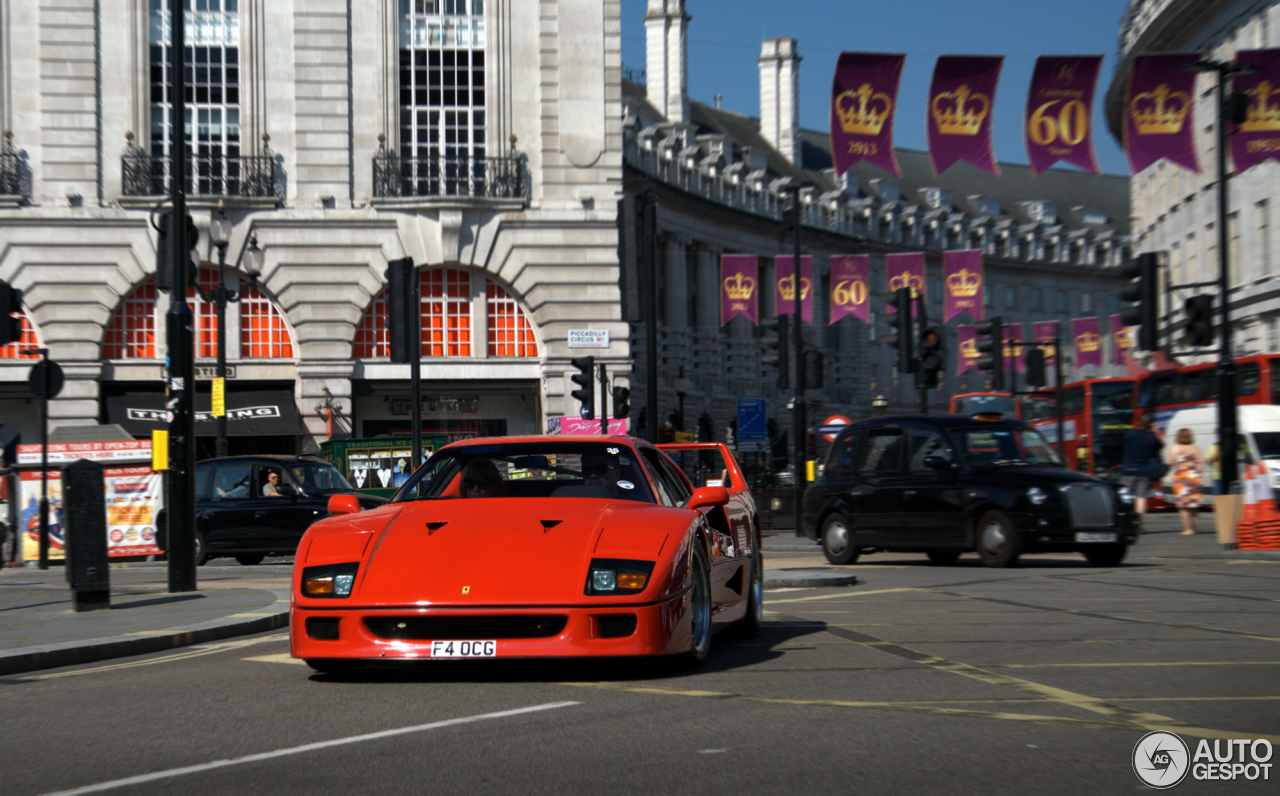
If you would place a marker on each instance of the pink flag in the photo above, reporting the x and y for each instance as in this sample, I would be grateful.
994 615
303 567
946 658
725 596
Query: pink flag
1087 340
967 346
958 119
1122 338
1159 111
1258 138
738 281
784 273
864 97
849 287
1013 353
1059 123
905 270
962 283
1044 332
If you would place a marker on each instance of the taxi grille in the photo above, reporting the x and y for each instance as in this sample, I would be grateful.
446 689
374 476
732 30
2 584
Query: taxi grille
1090 506
465 628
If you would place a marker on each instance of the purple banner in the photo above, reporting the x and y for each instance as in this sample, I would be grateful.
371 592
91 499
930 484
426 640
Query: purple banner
1087 339
739 278
1258 138
967 346
1059 123
1043 332
1159 115
958 119
849 295
864 98
1121 339
1013 353
962 283
784 273
905 270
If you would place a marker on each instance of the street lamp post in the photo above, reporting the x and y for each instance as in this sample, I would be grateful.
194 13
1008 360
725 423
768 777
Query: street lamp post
682 386
879 403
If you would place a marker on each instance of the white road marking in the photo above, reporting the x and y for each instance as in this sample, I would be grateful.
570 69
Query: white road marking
712 751
780 591
283 657
311 747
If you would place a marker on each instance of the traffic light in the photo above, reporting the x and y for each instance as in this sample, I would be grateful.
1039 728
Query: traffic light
10 318
404 316
813 375
1035 358
991 347
775 341
900 299
1199 311
1145 313
585 379
931 362
164 251
621 403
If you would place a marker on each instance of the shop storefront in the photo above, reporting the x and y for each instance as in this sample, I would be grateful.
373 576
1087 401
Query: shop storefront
453 410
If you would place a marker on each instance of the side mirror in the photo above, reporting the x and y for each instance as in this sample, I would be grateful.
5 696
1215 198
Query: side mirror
288 490
940 464
709 496
343 504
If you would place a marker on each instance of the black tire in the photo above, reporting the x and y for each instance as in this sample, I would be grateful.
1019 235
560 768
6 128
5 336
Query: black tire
998 545
944 558
338 667
202 550
750 625
837 541
1109 555
250 559
699 609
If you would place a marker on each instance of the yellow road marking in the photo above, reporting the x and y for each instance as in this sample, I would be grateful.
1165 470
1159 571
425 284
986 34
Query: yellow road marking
252 614
281 658
844 594
1162 663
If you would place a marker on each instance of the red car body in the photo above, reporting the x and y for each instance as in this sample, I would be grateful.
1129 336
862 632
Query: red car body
515 570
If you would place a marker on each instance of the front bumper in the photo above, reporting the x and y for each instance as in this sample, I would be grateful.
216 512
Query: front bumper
1054 531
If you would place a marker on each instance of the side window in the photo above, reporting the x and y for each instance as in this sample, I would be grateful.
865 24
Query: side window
202 482
679 489
840 458
232 481
881 452
651 467
926 443
270 479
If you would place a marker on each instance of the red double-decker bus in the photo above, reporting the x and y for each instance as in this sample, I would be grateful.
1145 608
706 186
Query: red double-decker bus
972 403
1164 392
1095 415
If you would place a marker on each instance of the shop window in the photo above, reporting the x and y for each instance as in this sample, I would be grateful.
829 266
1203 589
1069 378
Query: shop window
27 340
131 334
510 333
263 332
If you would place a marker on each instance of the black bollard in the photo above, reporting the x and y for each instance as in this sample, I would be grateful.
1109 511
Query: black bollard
85 514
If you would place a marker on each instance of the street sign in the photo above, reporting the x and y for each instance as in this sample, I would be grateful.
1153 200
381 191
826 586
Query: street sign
218 401
44 372
751 421
832 426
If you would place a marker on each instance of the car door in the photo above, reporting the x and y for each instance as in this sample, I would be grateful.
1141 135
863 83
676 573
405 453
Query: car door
278 521
228 516
880 479
931 501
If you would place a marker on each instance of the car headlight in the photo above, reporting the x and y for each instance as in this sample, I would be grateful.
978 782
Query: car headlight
618 576
330 580
1125 494
1037 496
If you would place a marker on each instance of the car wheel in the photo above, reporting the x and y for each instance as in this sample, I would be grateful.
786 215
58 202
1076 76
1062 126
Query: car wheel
997 543
335 666
699 609
250 559
202 550
1106 555
944 558
751 623
837 542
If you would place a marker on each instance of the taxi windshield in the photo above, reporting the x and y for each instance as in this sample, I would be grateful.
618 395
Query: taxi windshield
319 477
998 447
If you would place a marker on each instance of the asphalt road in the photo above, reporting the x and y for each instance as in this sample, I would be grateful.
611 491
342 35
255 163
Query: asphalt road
920 679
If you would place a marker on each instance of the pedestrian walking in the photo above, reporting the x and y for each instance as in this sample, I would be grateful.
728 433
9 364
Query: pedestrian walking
1187 463
1141 464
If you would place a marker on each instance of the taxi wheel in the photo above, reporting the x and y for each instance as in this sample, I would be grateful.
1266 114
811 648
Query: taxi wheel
202 550
944 557
1106 555
837 542
998 545
250 559
337 667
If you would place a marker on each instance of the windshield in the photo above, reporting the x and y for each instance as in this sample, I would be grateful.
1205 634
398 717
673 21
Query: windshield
319 477
996 447
973 404
1268 443
530 469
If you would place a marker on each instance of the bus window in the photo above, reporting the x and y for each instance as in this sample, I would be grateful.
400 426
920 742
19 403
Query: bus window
1073 400
1273 368
1039 406
1248 377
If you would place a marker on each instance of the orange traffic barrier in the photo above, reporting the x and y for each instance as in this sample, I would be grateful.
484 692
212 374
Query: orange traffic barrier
1267 530
1249 514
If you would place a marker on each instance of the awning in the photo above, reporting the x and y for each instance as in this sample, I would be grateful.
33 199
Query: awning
267 412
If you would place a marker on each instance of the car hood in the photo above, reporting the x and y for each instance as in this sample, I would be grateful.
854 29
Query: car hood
1031 475
509 551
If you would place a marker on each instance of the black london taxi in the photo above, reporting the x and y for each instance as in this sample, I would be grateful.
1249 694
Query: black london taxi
250 507
949 484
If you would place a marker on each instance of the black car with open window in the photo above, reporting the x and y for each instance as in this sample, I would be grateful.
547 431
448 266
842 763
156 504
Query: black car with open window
250 507
948 484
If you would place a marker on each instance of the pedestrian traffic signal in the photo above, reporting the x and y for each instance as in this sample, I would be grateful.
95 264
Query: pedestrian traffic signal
1035 359
165 278
1145 292
1199 311
621 403
775 347
931 361
991 348
585 379
814 378
10 315
901 339
404 316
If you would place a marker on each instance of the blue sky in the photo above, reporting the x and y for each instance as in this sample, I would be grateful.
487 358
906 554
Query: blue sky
725 37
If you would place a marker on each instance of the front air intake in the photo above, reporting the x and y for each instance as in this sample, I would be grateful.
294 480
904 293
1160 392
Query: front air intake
465 628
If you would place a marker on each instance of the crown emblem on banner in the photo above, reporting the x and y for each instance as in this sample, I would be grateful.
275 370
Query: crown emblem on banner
1066 71
964 283
1160 111
787 287
969 349
1263 115
863 111
738 287
913 281
960 112
1124 338
1088 341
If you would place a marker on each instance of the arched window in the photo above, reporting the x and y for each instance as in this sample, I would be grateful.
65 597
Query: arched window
28 340
510 334
131 333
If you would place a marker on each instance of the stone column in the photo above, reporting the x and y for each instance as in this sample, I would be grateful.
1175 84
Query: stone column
321 383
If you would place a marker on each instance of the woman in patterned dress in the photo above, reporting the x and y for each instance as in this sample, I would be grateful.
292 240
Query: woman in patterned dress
1187 463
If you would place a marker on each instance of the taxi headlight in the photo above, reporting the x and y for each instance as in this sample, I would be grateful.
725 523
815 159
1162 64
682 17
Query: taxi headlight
330 580
618 576
1037 496
1125 494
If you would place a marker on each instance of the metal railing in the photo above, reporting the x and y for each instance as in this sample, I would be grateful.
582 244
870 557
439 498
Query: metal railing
481 178
247 176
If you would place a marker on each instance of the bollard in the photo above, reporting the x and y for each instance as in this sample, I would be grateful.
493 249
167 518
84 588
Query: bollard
85 512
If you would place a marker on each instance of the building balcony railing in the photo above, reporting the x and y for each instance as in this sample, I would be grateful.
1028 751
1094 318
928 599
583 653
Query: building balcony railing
449 176
216 175
15 178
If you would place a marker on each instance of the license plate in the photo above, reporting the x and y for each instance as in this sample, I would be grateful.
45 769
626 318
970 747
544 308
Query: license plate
1084 536
464 649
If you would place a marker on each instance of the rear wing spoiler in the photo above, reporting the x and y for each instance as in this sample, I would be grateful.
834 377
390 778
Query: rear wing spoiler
739 481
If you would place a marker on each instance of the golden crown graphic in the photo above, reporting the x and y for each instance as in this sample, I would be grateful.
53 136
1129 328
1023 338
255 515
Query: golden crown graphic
969 349
1124 338
913 281
863 111
1160 111
739 287
1262 116
1088 341
964 283
960 112
787 286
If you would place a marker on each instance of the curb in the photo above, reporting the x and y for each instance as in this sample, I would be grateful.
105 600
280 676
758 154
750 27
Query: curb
808 578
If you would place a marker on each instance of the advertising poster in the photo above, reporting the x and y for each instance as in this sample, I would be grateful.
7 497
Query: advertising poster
358 469
135 496
29 515
380 470
402 466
